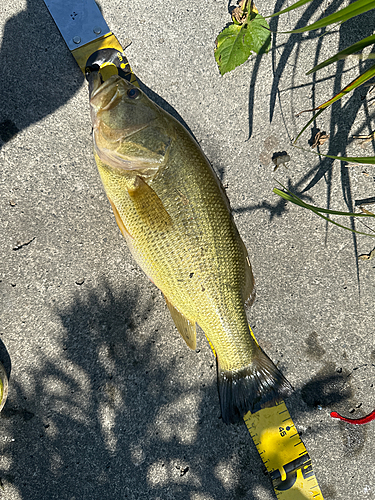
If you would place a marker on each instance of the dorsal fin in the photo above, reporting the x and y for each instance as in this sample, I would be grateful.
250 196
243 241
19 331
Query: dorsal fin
248 290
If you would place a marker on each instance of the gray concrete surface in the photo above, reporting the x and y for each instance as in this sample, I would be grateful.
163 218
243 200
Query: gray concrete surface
105 400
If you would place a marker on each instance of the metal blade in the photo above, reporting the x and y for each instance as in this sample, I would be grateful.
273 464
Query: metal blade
79 21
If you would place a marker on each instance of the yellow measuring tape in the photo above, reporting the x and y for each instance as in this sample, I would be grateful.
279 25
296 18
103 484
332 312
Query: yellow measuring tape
283 453
272 429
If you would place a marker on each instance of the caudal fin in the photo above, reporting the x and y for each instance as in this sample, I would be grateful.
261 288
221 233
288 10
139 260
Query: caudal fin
254 386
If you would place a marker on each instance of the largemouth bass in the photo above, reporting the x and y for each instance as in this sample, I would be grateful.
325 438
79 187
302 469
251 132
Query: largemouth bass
175 216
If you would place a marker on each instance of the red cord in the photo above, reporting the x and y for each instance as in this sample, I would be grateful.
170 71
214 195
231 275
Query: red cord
356 421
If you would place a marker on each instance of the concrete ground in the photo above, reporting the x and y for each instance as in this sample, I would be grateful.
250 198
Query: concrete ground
105 399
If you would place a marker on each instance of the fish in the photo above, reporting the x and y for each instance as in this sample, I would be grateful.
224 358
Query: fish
176 218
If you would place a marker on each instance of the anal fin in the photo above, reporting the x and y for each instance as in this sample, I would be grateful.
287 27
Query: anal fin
185 326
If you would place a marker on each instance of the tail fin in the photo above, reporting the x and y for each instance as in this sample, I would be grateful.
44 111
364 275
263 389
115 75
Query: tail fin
257 385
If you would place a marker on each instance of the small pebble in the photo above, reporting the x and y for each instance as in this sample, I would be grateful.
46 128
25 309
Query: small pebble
339 370
184 471
80 281
12 203
351 410
358 405
279 160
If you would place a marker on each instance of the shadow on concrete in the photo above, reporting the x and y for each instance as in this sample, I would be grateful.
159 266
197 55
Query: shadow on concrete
343 115
115 418
38 73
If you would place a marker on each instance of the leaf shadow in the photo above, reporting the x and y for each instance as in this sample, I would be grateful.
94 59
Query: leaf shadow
293 43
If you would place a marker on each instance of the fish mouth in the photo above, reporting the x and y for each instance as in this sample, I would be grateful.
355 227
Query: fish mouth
94 79
103 95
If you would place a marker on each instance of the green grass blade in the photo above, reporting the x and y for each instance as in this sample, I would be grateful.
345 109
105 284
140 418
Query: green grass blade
367 75
356 47
297 201
344 227
289 196
292 7
366 160
362 160
352 10
307 124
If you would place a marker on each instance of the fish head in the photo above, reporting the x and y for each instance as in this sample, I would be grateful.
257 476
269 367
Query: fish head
130 131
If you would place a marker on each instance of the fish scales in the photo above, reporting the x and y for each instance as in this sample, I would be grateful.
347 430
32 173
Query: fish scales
204 243
176 219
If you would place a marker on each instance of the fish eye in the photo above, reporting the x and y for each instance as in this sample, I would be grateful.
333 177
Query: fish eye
133 93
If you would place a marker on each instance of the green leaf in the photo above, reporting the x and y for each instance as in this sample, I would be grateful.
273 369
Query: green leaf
297 201
366 160
235 43
356 47
354 9
259 34
231 49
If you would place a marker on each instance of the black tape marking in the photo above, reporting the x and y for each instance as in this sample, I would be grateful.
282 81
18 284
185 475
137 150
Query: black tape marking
303 463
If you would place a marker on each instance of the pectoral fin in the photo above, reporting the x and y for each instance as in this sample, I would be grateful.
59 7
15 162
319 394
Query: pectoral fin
184 326
149 206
